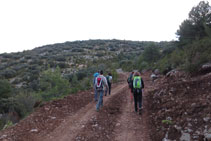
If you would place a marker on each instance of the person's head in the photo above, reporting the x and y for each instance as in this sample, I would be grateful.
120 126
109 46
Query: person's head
109 74
101 72
132 72
136 74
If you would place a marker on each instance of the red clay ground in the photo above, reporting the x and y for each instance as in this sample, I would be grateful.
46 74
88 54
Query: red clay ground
180 108
75 118
175 108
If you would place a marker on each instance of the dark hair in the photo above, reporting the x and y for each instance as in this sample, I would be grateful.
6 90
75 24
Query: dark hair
101 72
109 74
137 74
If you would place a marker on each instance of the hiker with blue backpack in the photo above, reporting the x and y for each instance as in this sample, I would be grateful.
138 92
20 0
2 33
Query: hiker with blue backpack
100 85
109 81
138 85
95 91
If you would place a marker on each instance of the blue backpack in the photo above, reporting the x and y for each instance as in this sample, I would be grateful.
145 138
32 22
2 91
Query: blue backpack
95 76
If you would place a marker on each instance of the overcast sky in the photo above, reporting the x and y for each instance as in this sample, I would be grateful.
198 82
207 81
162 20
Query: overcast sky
26 24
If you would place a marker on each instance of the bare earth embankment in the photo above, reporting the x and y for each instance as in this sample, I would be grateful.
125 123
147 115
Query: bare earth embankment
75 118
175 108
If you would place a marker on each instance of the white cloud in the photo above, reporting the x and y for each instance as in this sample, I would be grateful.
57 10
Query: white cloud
26 24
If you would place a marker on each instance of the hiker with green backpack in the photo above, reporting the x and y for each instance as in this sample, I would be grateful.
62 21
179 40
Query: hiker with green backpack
138 85
109 81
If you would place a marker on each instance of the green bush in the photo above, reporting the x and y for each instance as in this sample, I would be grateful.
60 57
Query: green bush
7 104
24 103
126 65
114 76
5 89
8 124
9 73
197 53
175 59
164 64
151 54
4 121
167 122
52 85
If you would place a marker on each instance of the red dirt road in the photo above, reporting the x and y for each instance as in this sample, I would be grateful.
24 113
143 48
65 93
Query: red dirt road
75 118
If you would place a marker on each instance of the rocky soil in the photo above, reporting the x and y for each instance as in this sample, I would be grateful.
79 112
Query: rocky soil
180 108
75 118
176 107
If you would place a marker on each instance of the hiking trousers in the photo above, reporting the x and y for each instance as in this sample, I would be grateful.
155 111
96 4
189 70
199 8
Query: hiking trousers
137 99
109 89
100 99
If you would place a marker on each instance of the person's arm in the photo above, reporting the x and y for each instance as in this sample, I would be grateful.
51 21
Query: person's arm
142 82
95 82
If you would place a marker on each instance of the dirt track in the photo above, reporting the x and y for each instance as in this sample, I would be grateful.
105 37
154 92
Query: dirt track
75 118
69 129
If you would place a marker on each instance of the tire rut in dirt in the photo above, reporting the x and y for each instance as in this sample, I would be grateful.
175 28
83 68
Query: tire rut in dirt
101 126
132 126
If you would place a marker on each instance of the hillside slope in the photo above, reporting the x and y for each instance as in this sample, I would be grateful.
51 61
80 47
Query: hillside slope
180 108
22 69
175 108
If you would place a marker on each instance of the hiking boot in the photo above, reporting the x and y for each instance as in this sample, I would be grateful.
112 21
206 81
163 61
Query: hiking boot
140 111
136 110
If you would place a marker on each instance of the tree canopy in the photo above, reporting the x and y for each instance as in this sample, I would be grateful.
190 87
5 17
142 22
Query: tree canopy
195 27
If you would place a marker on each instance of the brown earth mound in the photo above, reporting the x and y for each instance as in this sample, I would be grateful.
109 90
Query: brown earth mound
175 108
181 109
47 118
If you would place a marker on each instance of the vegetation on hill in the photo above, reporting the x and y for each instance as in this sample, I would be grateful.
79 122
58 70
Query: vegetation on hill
191 51
31 77
49 72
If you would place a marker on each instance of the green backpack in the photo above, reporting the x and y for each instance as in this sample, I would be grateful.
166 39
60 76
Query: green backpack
137 82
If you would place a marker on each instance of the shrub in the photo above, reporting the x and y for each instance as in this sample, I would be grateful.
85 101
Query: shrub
86 84
9 73
62 65
77 50
167 122
5 89
8 124
114 75
24 103
151 54
53 85
164 65
126 65
60 58
5 121
197 53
